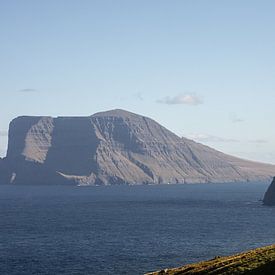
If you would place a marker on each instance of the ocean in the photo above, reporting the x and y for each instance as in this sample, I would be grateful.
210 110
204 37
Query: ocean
128 229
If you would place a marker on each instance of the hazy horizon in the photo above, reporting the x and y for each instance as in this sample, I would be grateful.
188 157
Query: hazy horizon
204 69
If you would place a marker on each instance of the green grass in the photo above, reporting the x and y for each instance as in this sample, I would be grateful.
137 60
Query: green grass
257 261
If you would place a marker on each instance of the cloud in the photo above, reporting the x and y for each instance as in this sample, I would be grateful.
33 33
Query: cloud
237 120
187 99
266 157
139 96
28 90
210 138
205 138
259 141
3 133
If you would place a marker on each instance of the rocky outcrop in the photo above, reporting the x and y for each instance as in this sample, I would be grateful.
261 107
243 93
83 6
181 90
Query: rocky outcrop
114 147
269 197
254 262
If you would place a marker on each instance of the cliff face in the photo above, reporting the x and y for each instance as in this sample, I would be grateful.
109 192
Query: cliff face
114 147
269 197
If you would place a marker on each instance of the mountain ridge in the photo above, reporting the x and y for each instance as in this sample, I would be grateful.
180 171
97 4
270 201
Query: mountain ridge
115 147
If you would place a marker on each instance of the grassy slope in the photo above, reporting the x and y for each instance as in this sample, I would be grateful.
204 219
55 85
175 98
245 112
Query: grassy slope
257 261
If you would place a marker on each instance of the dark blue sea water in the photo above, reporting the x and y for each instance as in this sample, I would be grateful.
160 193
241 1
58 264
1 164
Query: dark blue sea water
127 229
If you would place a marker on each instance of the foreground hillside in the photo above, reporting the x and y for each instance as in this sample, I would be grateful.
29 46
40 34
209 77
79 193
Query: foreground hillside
114 147
257 261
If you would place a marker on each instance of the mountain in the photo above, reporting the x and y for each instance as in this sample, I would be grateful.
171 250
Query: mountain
254 262
269 197
114 147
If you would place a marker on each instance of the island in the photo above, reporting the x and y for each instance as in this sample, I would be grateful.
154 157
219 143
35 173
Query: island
115 147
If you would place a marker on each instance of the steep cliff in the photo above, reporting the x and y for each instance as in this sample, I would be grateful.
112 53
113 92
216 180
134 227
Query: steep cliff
114 147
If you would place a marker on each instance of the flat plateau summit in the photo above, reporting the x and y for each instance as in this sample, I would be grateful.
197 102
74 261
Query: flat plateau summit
114 147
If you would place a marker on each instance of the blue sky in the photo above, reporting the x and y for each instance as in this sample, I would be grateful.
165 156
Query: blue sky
205 69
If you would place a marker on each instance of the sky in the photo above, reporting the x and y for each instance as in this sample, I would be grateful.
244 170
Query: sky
205 69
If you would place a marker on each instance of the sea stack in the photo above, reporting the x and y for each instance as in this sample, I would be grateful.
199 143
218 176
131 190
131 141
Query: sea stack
269 197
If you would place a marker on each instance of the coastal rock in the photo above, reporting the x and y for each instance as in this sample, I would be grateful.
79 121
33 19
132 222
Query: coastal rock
114 147
269 197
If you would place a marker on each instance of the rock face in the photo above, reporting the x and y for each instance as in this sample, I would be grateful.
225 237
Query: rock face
269 197
114 147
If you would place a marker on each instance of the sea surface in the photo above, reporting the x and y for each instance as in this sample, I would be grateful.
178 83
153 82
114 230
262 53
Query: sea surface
128 229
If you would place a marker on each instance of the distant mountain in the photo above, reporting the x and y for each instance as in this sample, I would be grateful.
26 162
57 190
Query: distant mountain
114 147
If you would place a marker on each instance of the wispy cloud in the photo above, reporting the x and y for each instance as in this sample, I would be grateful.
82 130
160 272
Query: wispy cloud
210 138
259 141
205 138
187 99
267 157
139 96
28 90
3 133
237 120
